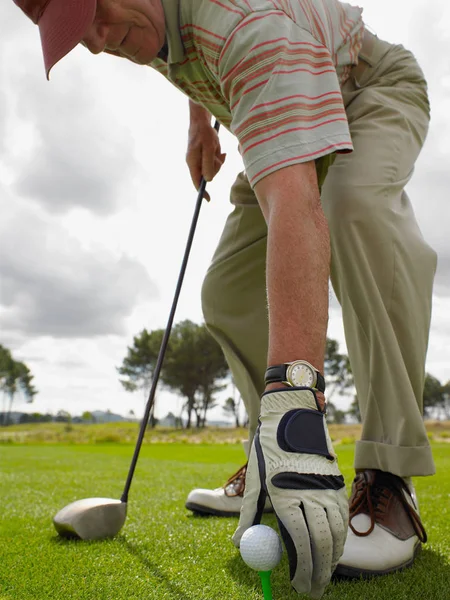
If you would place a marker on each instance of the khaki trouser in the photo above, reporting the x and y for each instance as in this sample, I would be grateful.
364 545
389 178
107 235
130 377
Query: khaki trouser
382 270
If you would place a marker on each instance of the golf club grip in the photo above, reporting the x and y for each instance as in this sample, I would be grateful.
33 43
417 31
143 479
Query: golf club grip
165 340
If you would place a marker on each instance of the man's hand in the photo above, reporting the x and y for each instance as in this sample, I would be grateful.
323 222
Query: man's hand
204 157
293 463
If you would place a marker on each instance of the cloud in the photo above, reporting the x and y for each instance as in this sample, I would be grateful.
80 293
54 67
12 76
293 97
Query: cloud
429 194
3 120
76 154
430 185
52 286
81 157
442 281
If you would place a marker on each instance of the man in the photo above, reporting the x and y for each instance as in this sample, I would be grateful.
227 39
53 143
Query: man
301 83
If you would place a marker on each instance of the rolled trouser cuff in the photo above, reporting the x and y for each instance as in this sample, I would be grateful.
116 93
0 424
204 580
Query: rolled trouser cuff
404 461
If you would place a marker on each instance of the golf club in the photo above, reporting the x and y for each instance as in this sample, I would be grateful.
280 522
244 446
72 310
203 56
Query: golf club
97 518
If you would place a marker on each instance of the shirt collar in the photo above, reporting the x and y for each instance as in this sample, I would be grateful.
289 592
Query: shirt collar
173 37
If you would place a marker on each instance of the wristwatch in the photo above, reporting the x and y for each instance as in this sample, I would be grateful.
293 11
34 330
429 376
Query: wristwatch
298 373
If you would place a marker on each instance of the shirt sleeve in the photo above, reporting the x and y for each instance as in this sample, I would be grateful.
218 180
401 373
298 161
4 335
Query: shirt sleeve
284 94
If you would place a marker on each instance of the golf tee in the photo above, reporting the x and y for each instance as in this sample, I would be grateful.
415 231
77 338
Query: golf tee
265 583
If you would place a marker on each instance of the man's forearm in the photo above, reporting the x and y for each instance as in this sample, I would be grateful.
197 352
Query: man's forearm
198 114
298 258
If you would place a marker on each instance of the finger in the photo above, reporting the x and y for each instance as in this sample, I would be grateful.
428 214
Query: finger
219 160
254 498
194 162
321 546
212 161
209 165
294 531
195 170
217 165
196 177
343 507
338 533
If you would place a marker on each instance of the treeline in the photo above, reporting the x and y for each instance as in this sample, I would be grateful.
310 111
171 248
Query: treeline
195 370
63 416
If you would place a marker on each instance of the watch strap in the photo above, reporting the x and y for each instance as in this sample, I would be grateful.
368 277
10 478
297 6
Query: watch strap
277 374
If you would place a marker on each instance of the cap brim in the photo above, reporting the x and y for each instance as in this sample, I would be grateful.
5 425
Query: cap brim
62 26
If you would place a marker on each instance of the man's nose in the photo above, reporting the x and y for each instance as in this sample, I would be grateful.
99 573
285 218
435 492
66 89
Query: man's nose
95 38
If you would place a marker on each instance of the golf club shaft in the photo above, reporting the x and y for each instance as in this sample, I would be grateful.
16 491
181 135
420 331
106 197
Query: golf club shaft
165 340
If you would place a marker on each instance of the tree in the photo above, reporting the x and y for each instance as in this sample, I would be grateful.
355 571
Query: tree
334 414
63 416
446 399
193 367
88 417
213 369
231 407
354 411
35 418
170 420
15 378
139 365
337 370
436 398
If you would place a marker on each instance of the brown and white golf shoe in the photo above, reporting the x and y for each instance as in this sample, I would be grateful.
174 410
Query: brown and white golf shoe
385 531
225 501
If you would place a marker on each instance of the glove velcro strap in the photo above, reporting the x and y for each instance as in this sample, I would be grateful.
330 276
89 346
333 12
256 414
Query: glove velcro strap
303 431
304 481
262 476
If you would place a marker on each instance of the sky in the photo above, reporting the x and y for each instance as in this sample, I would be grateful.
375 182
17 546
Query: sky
96 203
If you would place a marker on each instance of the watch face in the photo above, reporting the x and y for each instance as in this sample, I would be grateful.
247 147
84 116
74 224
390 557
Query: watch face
302 375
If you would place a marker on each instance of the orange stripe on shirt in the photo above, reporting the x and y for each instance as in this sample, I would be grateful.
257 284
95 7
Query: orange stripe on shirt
276 135
274 64
248 22
337 95
194 27
287 107
228 8
296 47
289 120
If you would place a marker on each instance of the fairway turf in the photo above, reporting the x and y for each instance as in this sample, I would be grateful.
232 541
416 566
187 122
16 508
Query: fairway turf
163 552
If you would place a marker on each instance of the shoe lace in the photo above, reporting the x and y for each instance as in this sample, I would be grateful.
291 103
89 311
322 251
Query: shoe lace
236 483
372 494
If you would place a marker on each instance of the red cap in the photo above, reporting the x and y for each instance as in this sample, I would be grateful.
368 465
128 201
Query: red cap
62 24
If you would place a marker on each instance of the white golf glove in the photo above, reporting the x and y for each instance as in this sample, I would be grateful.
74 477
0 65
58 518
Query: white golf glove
292 461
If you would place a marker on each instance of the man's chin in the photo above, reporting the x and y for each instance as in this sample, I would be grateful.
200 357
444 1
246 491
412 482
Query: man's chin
140 58
143 56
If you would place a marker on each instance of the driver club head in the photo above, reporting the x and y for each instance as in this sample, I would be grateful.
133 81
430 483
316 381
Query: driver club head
91 518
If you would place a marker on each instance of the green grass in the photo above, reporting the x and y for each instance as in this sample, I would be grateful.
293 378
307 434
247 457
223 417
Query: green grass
126 433
163 552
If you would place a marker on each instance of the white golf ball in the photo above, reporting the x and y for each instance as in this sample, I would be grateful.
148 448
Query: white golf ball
261 548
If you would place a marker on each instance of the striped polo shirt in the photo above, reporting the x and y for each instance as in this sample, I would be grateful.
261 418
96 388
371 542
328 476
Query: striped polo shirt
269 70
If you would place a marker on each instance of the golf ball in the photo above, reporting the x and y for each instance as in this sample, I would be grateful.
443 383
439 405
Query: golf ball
261 548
